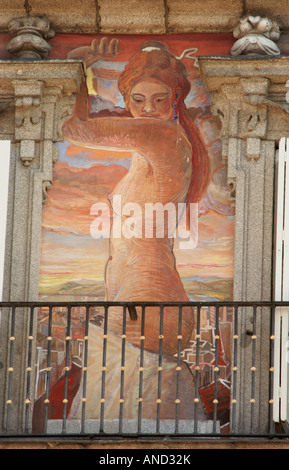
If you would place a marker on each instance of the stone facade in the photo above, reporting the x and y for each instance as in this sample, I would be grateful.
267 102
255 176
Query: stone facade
248 95
148 16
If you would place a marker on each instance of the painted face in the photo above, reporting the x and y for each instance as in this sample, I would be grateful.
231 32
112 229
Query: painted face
151 98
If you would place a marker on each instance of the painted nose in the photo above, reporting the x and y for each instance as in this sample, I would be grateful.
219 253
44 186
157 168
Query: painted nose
149 107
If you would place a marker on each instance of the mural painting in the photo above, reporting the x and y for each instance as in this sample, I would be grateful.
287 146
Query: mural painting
138 211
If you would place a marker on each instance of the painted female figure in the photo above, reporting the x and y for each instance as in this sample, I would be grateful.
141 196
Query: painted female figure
170 165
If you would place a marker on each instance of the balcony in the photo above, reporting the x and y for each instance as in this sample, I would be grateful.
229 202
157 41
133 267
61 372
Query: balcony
66 372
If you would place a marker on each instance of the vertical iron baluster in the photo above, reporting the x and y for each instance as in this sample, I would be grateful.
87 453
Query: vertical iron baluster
178 369
253 368
10 369
66 369
197 369
84 370
271 381
160 368
234 369
141 369
122 369
216 370
29 371
103 369
48 369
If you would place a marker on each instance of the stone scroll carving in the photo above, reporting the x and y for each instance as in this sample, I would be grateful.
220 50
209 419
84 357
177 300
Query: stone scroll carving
246 106
39 107
256 35
28 114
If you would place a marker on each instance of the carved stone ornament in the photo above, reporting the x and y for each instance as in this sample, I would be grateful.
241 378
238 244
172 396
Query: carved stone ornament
250 102
30 34
39 96
256 36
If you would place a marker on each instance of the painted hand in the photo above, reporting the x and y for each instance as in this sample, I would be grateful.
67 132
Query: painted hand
103 49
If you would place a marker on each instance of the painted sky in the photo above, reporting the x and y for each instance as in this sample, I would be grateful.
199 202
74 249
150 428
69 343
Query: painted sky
85 176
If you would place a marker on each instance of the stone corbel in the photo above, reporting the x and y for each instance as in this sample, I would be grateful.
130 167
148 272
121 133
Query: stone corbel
28 117
253 114
242 110
57 108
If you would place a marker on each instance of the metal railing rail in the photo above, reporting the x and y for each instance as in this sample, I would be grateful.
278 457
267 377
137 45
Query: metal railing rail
137 310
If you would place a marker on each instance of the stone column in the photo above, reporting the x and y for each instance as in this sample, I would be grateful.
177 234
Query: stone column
248 94
39 95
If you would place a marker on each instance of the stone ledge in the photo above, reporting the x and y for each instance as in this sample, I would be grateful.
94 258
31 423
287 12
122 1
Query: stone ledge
215 69
200 16
146 16
220 73
244 444
67 74
132 16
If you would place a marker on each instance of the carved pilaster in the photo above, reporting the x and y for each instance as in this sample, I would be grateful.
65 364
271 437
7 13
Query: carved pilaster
249 97
40 92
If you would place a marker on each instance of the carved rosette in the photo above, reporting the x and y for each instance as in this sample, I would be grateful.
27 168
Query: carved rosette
30 35
256 35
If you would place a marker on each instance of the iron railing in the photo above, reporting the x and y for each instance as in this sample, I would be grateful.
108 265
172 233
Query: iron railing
47 362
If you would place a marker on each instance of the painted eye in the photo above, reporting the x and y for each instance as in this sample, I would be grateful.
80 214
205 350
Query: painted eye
137 99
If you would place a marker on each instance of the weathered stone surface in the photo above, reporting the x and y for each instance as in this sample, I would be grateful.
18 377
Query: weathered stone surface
145 444
200 16
132 16
275 10
66 16
53 73
157 16
30 34
256 35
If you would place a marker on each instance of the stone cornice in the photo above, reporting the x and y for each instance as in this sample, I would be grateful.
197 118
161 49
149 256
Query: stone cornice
249 94
215 69
67 74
